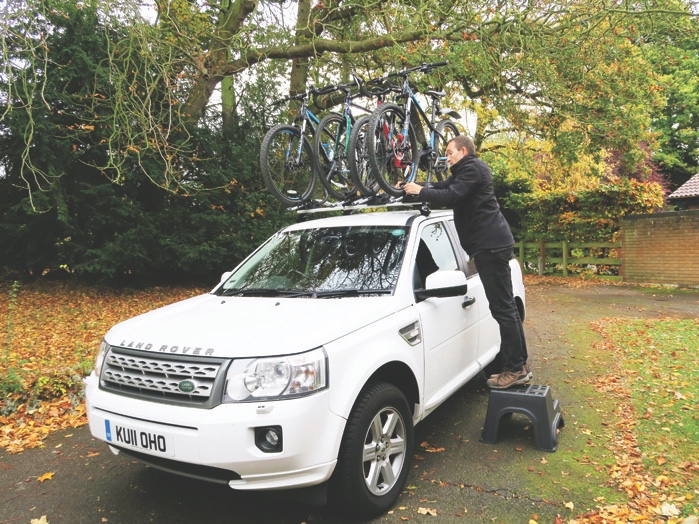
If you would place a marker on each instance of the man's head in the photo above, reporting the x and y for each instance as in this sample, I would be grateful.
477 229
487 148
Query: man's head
458 147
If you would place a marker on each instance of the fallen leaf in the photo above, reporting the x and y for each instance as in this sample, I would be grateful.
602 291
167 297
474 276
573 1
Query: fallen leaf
46 476
569 505
427 511
42 520
669 510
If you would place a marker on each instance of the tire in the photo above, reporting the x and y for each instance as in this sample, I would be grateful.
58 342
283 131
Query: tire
289 180
375 452
391 158
446 130
329 151
358 160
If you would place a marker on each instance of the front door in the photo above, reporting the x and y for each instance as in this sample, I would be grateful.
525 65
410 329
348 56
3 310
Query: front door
449 330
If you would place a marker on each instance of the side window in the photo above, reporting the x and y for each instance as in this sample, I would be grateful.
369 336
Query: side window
435 253
471 263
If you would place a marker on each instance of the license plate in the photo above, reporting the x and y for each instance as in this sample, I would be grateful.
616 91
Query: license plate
140 439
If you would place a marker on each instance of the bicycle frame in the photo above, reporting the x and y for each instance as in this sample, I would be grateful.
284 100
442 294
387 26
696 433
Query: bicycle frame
306 116
347 105
416 122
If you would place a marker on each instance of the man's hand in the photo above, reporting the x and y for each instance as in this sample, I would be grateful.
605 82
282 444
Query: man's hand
411 188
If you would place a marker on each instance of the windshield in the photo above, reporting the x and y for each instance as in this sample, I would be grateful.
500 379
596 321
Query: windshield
323 262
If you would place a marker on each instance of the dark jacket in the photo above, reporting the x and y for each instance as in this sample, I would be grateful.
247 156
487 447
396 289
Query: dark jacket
477 217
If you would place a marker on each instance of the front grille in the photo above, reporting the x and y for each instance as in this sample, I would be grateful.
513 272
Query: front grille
178 379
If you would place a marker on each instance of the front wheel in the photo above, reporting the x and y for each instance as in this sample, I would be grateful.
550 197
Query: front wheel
358 160
330 150
375 452
446 130
286 161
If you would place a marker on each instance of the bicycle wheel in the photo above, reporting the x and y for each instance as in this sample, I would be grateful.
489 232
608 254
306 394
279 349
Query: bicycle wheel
358 158
287 166
446 130
329 149
390 153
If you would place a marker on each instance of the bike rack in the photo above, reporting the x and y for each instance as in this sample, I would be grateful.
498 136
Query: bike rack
362 203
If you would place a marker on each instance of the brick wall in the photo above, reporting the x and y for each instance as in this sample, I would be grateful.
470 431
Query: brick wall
661 248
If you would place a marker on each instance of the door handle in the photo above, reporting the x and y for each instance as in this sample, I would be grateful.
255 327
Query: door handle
468 301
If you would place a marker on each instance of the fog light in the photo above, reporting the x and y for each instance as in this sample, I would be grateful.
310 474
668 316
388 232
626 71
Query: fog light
269 439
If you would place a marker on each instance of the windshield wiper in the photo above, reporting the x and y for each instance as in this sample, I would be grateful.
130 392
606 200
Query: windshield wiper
351 293
263 292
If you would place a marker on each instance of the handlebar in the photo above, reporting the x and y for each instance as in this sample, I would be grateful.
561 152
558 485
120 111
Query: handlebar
381 87
373 87
424 68
302 96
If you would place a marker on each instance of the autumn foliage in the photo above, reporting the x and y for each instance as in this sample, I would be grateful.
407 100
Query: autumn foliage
49 337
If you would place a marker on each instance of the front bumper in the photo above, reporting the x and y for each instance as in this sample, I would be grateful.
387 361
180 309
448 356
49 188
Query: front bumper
222 438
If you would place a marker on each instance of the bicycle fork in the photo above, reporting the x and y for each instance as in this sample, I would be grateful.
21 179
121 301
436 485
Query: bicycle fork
398 144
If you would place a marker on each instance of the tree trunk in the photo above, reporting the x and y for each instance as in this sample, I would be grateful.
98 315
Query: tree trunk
228 112
299 66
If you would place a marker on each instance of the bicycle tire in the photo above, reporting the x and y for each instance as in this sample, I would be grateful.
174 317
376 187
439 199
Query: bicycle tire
290 181
390 157
329 151
358 160
446 130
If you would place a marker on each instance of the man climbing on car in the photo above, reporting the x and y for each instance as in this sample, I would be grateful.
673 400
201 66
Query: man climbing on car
486 236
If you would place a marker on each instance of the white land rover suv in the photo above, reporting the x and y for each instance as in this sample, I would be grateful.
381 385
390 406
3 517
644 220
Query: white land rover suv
310 363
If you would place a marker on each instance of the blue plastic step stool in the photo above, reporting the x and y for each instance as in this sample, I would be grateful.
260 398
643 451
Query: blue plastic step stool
531 400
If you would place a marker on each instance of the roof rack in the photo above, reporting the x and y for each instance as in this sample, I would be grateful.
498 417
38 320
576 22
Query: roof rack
362 203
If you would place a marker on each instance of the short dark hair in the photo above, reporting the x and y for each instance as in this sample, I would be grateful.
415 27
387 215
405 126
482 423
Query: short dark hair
462 141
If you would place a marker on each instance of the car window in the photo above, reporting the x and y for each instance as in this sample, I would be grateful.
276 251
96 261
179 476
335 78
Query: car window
471 269
323 260
435 253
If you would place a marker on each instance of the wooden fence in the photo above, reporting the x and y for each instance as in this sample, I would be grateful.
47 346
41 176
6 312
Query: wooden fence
562 258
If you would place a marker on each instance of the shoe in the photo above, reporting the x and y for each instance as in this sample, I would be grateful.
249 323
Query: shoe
527 370
507 379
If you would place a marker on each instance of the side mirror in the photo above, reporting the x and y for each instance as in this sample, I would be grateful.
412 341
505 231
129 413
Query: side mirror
443 284
224 277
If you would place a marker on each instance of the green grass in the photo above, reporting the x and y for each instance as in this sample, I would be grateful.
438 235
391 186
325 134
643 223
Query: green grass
659 361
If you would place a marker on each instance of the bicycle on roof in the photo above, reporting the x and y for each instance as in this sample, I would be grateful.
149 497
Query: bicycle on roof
286 155
397 146
333 149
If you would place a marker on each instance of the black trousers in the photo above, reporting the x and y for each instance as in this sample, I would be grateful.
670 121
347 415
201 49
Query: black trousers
495 273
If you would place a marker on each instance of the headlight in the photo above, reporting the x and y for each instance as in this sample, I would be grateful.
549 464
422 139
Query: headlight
277 378
104 347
